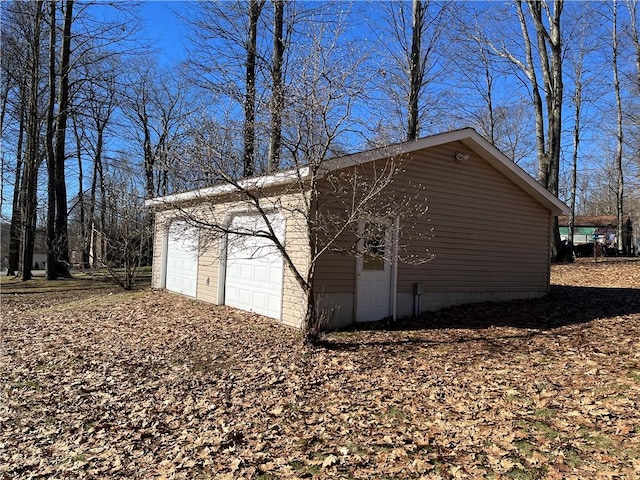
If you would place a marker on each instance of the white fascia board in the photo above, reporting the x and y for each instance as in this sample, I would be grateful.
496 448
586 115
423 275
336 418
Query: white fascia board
247 184
398 149
468 136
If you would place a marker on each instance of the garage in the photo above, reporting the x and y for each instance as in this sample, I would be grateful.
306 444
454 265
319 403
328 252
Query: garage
254 266
182 259
430 263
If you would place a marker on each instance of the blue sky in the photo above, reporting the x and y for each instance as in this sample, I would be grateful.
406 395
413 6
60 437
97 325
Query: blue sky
168 34
164 28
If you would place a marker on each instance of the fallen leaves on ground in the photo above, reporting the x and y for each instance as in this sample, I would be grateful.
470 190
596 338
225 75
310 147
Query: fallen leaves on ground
154 385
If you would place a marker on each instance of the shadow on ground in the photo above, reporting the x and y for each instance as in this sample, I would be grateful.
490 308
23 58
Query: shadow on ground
564 306
95 281
61 286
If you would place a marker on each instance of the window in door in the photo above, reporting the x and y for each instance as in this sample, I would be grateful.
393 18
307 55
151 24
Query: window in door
373 254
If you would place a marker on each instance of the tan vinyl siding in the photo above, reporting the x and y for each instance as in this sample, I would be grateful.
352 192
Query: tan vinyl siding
335 271
297 246
208 270
488 234
159 238
221 209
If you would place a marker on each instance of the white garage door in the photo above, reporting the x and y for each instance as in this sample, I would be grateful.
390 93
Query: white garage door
182 259
254 267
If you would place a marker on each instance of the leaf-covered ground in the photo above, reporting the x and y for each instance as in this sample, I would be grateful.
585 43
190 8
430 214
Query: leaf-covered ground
101 384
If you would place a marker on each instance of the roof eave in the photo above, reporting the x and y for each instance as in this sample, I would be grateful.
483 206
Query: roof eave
468 136
474 141
247 184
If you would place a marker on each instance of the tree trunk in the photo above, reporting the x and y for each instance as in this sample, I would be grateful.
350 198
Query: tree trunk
97 184
255 7
552 76
52 269
16 217
102 251
29 184
61 227
415 70
82 207
488 76
530 71
5 100
620 240
149 158
91 253
632 6
577 102
277 101
28 197
550 63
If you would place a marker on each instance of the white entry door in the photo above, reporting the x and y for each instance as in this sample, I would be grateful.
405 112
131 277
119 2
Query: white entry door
182 259
374 272
254 268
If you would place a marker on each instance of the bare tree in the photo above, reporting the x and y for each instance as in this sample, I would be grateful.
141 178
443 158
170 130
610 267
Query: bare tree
416 68
226 60
127 232
582 79
101 100
82 201
49 107
255 7
484 80
156 107
61 233
52 270
632 8
547 97
57 234
322 88
633 199
413 46
33 157
277 99
577 116
14 80
550 52
619 133
482 98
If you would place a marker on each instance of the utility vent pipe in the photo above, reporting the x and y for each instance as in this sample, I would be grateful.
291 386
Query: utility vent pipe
417 301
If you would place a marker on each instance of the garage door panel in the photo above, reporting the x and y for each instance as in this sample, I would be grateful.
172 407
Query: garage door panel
274 303
232 295
254 268
233 270
275 275
244 297
260 300
261 274
246 271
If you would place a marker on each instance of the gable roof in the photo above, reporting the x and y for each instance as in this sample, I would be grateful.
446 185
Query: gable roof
475 142
468 136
